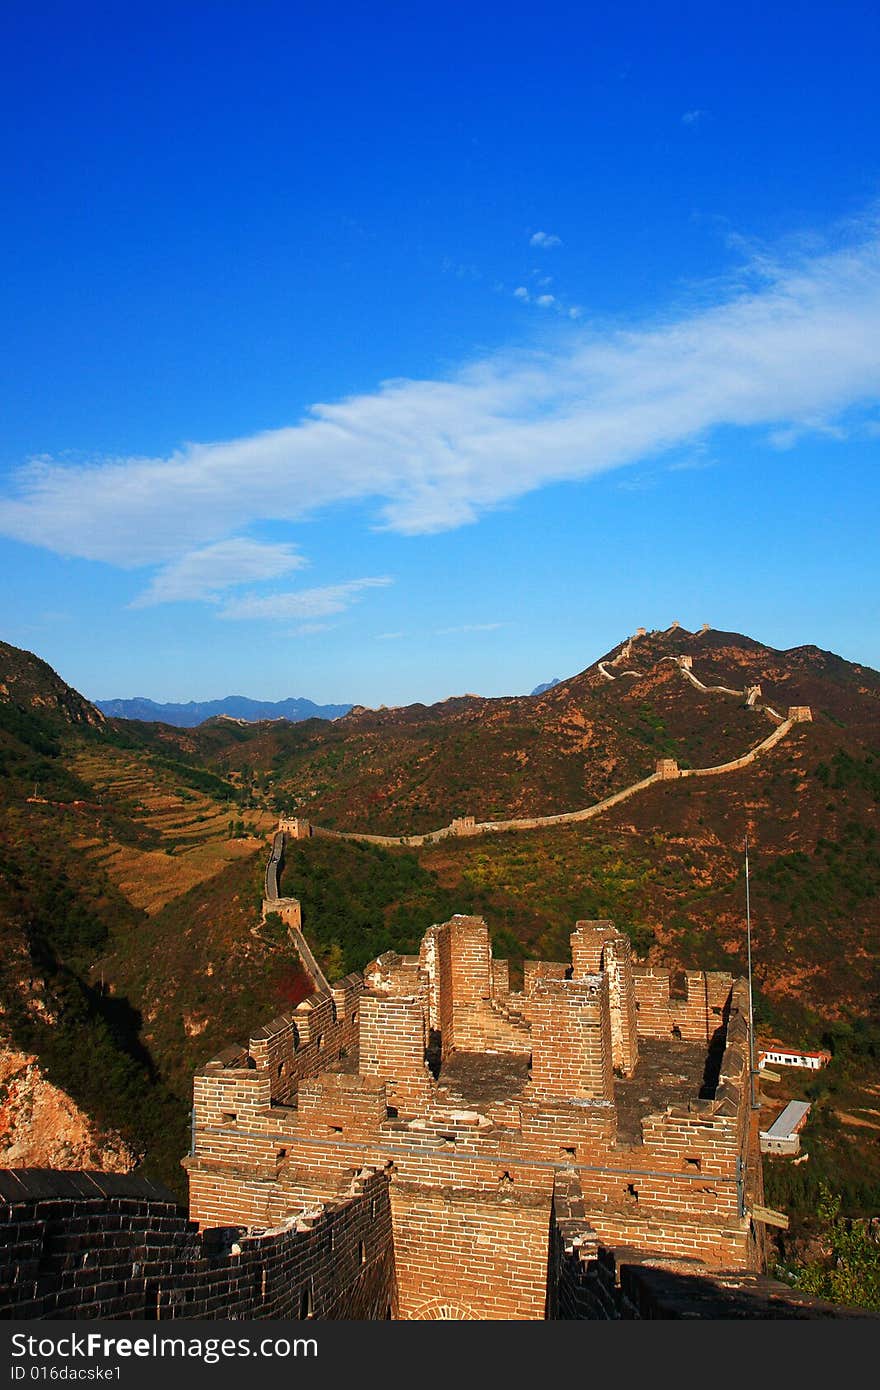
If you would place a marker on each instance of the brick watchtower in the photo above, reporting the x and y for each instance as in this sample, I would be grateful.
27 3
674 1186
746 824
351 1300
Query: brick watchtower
476 1102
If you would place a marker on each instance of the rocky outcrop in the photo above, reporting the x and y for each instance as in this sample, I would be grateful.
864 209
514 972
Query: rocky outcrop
42 1127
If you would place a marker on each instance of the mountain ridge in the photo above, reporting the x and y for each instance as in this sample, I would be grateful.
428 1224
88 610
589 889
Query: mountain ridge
131 883
190 713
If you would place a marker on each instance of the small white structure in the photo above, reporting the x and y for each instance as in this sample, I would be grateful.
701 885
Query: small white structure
783 1136
788 1057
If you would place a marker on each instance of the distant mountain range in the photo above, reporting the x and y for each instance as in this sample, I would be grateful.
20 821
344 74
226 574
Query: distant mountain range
194 712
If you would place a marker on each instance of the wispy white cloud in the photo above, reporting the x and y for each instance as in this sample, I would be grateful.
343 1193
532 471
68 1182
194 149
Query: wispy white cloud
390 636
547 301
793 349
696 460
784 439
637 482
694 117
545 240
205 573
310 629
307 604
467 627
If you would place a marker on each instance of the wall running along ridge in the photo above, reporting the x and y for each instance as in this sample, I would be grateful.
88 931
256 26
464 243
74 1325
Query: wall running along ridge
666 769
289 909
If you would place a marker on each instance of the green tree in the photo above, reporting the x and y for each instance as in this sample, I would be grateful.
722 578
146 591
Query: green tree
334 963
851 1271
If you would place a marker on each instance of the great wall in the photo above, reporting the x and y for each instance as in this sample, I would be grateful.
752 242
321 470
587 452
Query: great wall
418 1141
666 769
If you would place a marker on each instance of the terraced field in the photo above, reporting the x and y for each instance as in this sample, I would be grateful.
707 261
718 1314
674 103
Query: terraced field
186 835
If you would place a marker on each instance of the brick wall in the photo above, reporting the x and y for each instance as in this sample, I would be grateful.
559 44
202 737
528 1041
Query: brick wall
435 957
467 990
535 970
500 979
599 946
392 973
470 978
470 1254
571 1038
670 1291
581 1275
673 1184
393 1038
695 1014
288 909
98 1245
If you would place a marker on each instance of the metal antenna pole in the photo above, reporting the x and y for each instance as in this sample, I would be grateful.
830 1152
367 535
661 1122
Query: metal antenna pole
751 998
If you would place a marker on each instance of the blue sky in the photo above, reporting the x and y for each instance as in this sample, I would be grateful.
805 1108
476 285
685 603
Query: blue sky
382 353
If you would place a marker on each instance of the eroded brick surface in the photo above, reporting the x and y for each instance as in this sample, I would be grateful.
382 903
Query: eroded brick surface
419 1142
567 1076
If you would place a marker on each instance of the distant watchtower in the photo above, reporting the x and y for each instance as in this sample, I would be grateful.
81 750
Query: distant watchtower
464 825
295 827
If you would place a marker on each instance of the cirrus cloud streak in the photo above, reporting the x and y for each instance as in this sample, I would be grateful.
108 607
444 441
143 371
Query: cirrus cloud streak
788 354
308 604
205 573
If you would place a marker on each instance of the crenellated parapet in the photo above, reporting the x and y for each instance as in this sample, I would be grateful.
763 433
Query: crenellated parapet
296 827
666 769
800 714
114 1246
473 1098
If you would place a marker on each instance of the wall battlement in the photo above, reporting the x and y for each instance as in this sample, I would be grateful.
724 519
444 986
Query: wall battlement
80 1246
351 1162
98 1245
473 1098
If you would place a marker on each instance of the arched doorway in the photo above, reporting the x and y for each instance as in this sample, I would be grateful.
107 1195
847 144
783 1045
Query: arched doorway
444 1312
